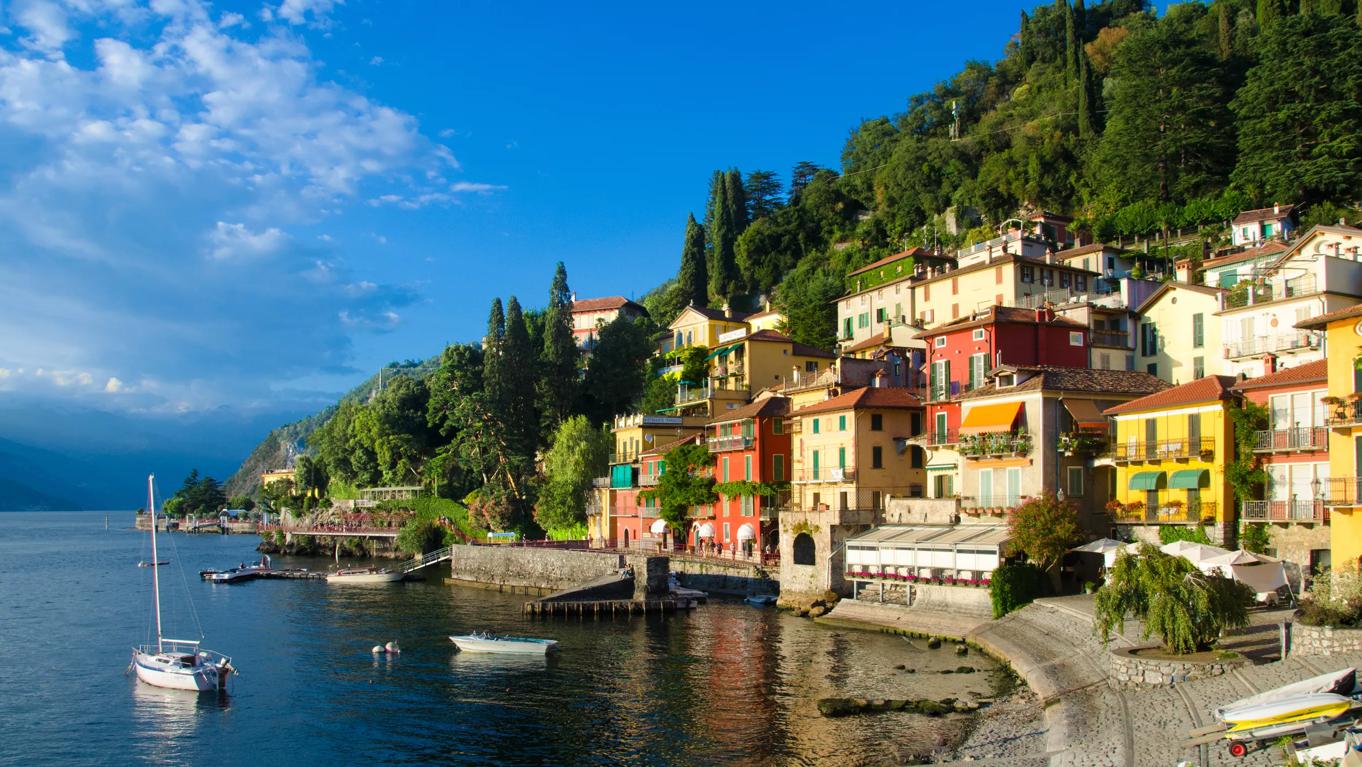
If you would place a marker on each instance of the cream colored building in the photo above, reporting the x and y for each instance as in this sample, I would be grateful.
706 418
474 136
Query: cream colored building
1178 333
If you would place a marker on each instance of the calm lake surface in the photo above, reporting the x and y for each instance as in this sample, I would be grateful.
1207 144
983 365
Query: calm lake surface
727 684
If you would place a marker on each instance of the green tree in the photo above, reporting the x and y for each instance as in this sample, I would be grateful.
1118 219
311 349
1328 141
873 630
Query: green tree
693 277
684 484
736 198
515 398
800 176
559 361
1269 13
493 344
762 188
580 453
722 232
1044 528
618 369
420 536
310 477
806 295
1169 132
1185 608
1087 99
1300 113
243 502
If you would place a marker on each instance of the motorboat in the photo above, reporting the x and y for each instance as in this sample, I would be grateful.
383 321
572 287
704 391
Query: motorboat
675 588
365 575
242 572
760 600
177 664
152 564
509 645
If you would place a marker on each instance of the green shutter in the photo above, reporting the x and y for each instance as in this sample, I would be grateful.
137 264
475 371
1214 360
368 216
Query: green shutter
841 458
1198 330
815 464
747 467
841 423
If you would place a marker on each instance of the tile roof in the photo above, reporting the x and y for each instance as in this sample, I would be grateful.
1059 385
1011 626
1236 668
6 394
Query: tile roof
718 314
665 446
992 314
802 350
1320 321
865 397
762 408
1208 389
1263 251
1083 250
877 340
603 304
1307 373
1056 378
1167 286
914 252
999 260
1264 214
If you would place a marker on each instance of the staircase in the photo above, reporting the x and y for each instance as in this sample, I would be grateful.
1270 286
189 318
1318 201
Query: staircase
434 557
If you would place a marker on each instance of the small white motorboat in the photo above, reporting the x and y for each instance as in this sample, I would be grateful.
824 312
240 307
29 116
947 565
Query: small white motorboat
760 600
365 575
152 564
491 643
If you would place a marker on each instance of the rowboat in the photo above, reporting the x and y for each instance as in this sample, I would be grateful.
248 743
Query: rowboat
491 643
1321 707
364 575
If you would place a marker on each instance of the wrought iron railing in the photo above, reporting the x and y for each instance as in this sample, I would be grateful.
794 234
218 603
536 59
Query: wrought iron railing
1342 491
727 443
1250 347
1110 338
1295 438
995 444
1162 450
943 437
1169 513
1347 413
1292 510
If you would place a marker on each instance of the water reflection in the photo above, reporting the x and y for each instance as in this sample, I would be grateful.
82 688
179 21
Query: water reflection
166 723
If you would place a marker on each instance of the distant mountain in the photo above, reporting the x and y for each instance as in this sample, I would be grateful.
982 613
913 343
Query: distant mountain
16 496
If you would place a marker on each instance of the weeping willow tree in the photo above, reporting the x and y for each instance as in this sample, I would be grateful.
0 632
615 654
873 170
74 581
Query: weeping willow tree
1185 608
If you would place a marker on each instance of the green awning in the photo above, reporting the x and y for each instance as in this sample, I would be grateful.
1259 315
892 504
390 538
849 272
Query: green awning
1188 479
722 351
1146 480
942 467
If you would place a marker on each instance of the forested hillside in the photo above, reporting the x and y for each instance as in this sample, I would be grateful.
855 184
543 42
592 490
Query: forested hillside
1131 123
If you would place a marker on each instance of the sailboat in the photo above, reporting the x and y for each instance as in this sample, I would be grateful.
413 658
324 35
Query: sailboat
179 664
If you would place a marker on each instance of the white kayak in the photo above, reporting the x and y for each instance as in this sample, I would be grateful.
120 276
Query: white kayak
481 642
1319 706
366 575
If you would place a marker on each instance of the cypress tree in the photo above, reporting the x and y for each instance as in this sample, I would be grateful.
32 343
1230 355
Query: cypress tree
1087 99
1024 41
721 229
1225 43
1306 8
1080 22
558 368
493 346
1268 13
736 197
518 376
693 277
1070 42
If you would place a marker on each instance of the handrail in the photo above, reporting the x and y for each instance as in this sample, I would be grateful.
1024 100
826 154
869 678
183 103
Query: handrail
439 555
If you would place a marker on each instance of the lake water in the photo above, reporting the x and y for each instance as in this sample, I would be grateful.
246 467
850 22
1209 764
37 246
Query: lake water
728 684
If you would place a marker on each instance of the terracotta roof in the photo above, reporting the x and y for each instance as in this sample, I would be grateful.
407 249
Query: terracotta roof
1310 372
914 252
1013 314
1057 378
1000 260
802 350
604 304
865 397
1347 231
664 447
872 342
762 408
1319 322
717 314
1208 389
1083 250
1167 286
1263 214
1270 249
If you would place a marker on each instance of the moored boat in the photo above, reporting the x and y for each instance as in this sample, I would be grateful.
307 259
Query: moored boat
491 643
760 600
364 575
1299 708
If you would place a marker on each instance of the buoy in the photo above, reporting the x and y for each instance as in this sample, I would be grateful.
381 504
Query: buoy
378 649
393 648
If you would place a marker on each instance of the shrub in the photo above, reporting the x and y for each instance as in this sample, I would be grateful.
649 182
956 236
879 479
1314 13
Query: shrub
1015 585
1255 538
1193 533
1335 599
420 536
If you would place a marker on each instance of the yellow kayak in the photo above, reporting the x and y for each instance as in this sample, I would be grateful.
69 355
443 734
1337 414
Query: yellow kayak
1320 706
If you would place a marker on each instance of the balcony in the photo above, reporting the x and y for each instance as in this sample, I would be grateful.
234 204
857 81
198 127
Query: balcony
648 480
731 442
1342 491
1300 438
690 396
600 482
1081 443
995 445
1284 511
946 437
1118 338
1253 347
830 474
1165 450
1300 286
845 500
1171 513
997 505
1344 413
1252 294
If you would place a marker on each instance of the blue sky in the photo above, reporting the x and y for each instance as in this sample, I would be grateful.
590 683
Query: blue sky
245 208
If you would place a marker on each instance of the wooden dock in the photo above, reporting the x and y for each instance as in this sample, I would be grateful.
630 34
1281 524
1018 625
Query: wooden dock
607 608
298 575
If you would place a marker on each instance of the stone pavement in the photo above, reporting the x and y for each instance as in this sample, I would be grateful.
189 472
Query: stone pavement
908 620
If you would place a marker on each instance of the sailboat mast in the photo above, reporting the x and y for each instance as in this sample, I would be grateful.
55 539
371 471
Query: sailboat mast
155 560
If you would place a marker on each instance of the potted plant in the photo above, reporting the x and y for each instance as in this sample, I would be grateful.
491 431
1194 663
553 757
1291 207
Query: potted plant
1116 508
1134 509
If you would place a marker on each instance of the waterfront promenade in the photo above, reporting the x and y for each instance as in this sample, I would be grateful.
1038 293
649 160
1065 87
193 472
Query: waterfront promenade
1073 715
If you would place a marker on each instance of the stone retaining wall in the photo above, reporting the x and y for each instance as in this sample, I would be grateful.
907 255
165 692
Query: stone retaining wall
515 568
717 577
1323 640
1128 670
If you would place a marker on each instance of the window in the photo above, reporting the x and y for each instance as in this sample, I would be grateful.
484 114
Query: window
777 468
1152 368
940 382
1104 361
898 308
876 422
1028 274
915 454
725 469
1194 432
726 537
977 335
1198 331
1075 338
939 342
815 426
815 469
914 424
863 320
879 315
1198 367
846 328
1064 278
977 370
747 468
877 457
1085 265
810 367
1075 482
985 487
1149 339
940 435
1047 277
841 458
1013 478
1080 282
841 423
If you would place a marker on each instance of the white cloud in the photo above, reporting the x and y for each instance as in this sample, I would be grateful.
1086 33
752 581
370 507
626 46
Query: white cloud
45 22
113 385
234 242
297 11
469 186
375 61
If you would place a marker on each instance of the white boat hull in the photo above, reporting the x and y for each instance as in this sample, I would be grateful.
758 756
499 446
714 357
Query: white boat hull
163 671
505 646
364 577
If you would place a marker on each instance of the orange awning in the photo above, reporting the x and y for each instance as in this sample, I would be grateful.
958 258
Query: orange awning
1085 414
989 418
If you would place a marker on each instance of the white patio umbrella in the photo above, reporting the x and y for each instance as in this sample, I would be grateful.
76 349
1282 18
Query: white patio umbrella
1107 547
1238 557
1196 553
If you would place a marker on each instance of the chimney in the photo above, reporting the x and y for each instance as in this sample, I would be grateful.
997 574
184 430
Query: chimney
573 298
1276 209
1269 364
728 310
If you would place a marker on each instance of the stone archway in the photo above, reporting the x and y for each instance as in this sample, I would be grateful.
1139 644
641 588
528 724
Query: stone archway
804 549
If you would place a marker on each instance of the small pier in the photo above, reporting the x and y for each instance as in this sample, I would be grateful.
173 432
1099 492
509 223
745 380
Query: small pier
608 608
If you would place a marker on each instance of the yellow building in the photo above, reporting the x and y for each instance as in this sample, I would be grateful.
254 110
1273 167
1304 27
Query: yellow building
1179 333
1170 451
1343 496
746 363
272 476
702 326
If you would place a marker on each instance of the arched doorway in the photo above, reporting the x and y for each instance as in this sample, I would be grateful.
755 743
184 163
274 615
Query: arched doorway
804 549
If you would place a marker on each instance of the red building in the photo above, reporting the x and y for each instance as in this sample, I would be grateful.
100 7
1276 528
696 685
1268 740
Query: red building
961 353
749 444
